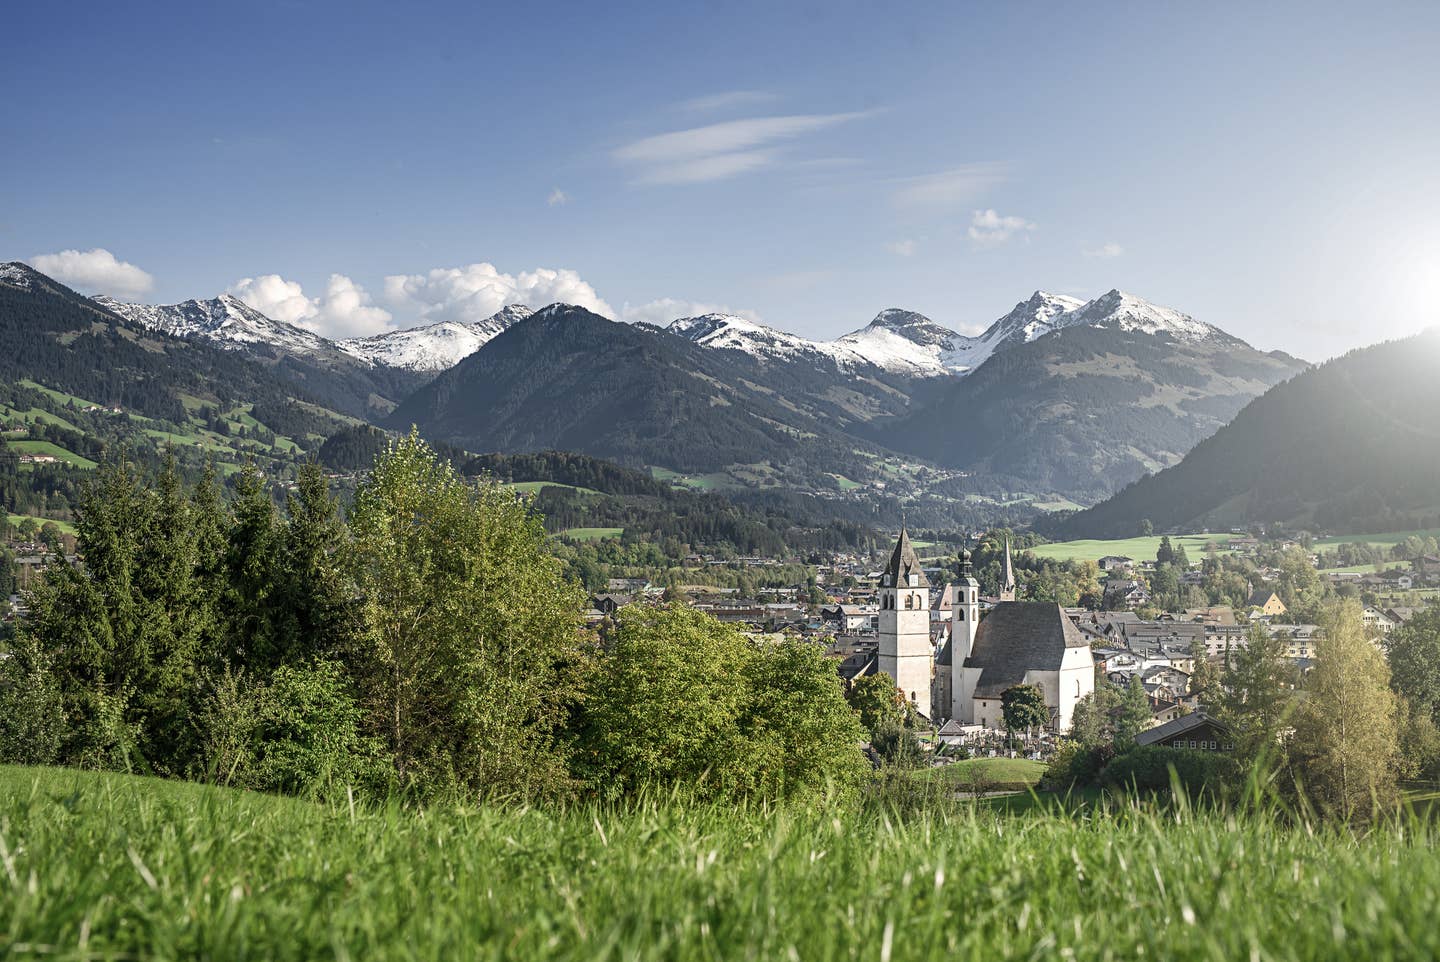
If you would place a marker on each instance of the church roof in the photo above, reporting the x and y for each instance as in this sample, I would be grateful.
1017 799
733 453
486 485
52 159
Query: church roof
1020 636
903 563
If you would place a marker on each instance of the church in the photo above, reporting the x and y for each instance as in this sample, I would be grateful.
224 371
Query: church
1016 643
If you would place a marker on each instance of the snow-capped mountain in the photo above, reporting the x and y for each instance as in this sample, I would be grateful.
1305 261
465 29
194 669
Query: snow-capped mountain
1126 312
906 342
435 347
226 320
726 331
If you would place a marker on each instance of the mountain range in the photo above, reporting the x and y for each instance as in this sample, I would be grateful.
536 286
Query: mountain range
1058 400
1350 445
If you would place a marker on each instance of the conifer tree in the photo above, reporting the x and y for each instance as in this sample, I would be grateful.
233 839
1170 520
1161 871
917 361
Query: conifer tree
1259 682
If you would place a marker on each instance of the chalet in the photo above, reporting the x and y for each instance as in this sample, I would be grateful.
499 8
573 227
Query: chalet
1377 620
608 603
1196 730
1266 603
1115 562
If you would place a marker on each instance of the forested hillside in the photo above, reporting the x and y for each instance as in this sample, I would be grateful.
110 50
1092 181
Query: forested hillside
1351 445
1086 409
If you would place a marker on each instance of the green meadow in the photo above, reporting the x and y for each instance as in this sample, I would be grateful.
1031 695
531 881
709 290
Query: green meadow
1141 549
97 866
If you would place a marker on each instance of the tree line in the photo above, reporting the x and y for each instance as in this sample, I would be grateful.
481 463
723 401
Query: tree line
425 641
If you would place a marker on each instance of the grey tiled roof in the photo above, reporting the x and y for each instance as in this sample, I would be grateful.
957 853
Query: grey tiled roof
1020 636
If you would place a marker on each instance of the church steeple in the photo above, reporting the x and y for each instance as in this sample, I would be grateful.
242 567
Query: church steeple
906 652
1007 576
904 569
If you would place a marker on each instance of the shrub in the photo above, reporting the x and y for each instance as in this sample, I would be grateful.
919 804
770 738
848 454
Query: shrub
1150 769
297 733
30 718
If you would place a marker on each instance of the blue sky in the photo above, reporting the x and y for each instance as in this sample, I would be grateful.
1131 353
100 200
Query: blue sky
1274 169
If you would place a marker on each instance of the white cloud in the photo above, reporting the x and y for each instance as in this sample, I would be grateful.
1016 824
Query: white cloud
1109 250
901 248
728 98
955 187
95 270
557 198
343 311
989 229
274 296
666 309
718 151
476 291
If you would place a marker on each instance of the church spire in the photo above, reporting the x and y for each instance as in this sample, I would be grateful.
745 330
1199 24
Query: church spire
1007 575
903 564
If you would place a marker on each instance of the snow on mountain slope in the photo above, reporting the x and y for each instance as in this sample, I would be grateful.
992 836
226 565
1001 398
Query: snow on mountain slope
726 331
18 275
1130 313
225 320
435 347
906 342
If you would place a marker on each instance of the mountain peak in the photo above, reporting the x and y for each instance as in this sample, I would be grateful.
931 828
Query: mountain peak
19 274
224 320
1121 310
434 347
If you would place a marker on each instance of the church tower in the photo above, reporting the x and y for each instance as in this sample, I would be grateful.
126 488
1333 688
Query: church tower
906 653
1007 576
965 615
964 622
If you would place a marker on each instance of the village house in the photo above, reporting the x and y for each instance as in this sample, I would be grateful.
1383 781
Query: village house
1265 603
1196 730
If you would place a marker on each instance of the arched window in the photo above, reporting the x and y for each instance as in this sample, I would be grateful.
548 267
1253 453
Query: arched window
961 615
909 602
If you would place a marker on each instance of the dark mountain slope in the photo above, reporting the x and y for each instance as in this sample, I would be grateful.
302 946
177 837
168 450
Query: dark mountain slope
1353 444
1083 410
571 380
65 341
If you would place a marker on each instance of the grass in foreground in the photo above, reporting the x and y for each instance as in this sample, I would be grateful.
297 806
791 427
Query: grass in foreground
103 866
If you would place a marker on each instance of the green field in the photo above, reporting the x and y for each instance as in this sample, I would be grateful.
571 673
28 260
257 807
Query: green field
1141 549
65 526
590 534
981 772
1376 540
531 487
55 450
99 866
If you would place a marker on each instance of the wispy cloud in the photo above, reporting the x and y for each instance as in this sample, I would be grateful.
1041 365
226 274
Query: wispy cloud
557 198
727 99
95 270
956 187
988 228
901 248
1109 250
719 151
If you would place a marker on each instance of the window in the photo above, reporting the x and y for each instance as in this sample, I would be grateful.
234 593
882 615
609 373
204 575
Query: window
1192 743
909 602
1212 746
960 616
1179 743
